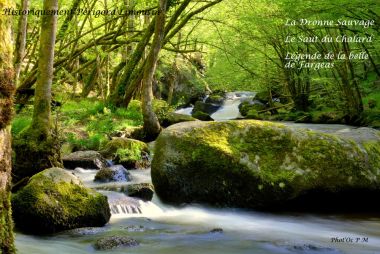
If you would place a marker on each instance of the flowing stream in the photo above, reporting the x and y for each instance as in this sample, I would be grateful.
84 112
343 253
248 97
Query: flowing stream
194 228
229 109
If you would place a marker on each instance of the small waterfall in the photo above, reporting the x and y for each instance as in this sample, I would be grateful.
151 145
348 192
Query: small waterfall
230 107
125 209
185 111
122 206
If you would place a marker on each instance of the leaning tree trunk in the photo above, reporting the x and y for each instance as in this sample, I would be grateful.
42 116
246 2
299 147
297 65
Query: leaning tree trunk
37 148
151 125
6 103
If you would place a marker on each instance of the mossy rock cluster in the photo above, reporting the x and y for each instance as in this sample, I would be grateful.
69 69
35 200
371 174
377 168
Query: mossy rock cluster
55 200
130 153
258 164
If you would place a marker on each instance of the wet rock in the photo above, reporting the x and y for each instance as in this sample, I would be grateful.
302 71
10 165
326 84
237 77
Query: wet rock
84 159
143 191
310 247
113 242
216 230
202 116
55 200
208 108
116 173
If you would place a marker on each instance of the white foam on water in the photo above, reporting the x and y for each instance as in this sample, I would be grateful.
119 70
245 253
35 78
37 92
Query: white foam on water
185 111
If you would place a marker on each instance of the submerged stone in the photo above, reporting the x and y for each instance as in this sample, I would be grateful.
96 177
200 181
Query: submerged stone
113 242
143 191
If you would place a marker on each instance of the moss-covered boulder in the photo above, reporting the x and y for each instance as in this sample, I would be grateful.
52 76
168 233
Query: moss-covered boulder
260 164
84 159
55 200
128 152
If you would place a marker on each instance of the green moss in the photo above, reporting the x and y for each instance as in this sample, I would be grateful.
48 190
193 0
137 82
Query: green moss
253 114
45 152
6 230
128 152
373 150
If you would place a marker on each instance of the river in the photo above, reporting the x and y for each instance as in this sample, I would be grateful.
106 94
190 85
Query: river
161 228
165 229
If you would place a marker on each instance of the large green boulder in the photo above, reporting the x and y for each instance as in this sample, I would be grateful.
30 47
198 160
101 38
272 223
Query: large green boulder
56 200
258 164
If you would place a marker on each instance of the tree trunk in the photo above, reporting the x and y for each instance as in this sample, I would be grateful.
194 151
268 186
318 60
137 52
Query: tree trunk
38 141
151 125
6 104
41 114
21 39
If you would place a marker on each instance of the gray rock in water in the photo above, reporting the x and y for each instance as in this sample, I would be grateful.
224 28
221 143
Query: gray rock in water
113 242
216 230
307 248
84 159
259 164
143 191
116 173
